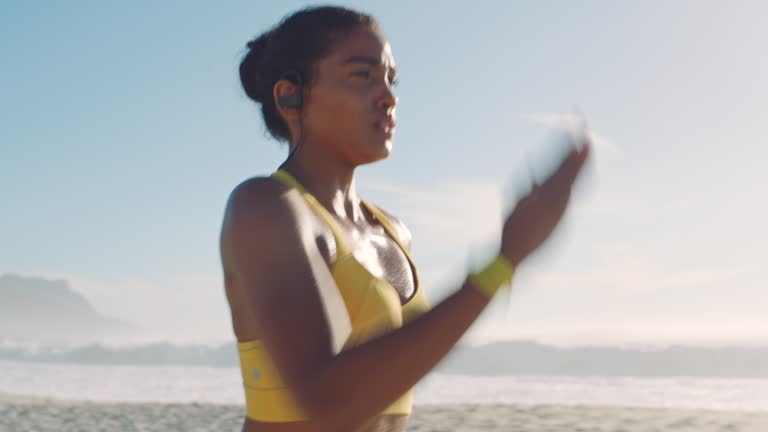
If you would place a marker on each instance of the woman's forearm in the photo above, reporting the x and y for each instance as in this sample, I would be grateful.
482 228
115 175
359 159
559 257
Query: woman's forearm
359 383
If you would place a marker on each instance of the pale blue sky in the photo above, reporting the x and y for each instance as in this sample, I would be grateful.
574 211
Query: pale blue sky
123 128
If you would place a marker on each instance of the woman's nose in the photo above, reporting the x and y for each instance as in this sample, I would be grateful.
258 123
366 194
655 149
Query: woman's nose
388 100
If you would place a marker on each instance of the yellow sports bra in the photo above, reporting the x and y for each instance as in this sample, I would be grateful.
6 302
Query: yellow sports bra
373 306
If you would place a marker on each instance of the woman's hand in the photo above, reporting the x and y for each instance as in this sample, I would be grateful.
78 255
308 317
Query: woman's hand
537 214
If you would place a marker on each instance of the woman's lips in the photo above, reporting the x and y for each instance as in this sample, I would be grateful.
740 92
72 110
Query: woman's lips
386 126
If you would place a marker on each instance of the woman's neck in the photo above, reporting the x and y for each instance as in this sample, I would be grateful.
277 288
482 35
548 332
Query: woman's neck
332 184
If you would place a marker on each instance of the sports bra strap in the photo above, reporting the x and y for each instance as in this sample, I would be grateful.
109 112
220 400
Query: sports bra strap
342 248
384 221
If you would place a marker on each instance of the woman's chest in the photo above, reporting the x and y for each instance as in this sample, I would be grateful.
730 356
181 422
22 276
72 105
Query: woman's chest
378 253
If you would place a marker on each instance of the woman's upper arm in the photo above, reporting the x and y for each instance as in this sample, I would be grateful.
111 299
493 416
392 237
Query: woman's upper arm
268 244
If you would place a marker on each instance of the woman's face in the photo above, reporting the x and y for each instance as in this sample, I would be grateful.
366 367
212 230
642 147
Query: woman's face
350 106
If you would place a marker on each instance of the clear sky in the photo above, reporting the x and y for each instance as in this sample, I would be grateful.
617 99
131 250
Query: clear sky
123 129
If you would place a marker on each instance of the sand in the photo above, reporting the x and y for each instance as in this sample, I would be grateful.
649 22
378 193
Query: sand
19 413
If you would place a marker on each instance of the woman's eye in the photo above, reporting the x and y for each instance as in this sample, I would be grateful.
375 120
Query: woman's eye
363 74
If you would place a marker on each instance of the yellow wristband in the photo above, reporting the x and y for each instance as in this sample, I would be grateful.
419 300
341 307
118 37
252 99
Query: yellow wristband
497 274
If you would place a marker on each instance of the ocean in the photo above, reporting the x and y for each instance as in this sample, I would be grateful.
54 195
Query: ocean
183 384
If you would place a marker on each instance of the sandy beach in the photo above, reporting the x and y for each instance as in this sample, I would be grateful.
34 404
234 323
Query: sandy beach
20 413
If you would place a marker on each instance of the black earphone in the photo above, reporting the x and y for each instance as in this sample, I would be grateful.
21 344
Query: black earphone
293 100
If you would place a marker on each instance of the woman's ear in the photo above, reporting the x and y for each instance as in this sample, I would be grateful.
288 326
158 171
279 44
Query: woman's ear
288 98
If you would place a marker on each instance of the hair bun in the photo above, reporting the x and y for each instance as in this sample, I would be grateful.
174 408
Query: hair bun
252 70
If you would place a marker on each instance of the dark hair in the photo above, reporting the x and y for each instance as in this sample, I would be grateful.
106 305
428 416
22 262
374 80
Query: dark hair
295 44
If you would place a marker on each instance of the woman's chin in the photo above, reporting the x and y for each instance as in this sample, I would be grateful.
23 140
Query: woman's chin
384 147
377 150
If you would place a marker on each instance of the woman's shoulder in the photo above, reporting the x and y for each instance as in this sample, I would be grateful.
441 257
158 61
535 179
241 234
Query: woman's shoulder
263 187
263 215
260 193
264 202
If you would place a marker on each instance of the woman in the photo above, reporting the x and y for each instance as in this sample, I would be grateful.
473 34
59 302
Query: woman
333 326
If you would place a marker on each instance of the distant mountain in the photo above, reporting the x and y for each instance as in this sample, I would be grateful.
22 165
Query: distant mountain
517 358
48 311
530 358
155 354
